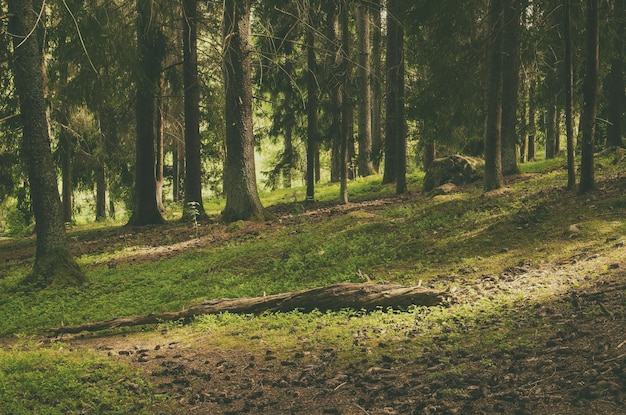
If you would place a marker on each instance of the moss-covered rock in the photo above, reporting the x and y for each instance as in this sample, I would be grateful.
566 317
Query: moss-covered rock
457 169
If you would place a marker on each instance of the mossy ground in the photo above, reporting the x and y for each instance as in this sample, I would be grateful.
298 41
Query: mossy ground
537 298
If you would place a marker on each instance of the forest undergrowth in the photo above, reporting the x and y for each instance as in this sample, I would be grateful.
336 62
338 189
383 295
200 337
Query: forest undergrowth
533 323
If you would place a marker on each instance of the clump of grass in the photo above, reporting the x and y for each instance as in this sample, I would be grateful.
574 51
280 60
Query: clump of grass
36 380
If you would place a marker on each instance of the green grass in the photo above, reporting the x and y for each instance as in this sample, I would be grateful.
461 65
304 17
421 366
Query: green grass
36 380
448 242
404 243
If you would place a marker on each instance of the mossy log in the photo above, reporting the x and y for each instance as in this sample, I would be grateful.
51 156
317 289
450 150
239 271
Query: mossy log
330 298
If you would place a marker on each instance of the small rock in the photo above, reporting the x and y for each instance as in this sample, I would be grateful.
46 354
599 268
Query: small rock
387 359
104 347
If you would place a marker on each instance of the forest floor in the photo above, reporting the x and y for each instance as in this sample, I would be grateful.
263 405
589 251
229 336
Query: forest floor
579 367
558 348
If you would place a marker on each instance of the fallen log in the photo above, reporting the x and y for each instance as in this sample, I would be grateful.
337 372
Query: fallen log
330 298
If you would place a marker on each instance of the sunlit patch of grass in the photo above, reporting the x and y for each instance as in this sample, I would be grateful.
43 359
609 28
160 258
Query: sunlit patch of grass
504 322
37 380
541 166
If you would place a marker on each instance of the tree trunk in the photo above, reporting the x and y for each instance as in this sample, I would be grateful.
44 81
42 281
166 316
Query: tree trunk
377 80
532 127
569 95
178 156
395 137
615 84
67 188
311 107
551 124
108 142
493 134
54 263
318 165
590 91
510 85
101 188
524 120
193 165
242 198
345 69
288 151
160 142
334 92
150 51
429 155
365 165
334 297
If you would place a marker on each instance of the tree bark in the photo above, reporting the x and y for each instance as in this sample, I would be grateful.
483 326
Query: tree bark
493 134
193 165
67 188
242 198
524 120
54 263
615 82
178 156
377 82
552 116
160 142
101 188
569 95
150 51
365 165
334 85
289 156
510 85
345 69
395 137
334 297
109 141
590 91
288 151
311 107
430 152
532 127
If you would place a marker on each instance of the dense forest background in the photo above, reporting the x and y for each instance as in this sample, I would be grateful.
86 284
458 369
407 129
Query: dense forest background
262 150
153 102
